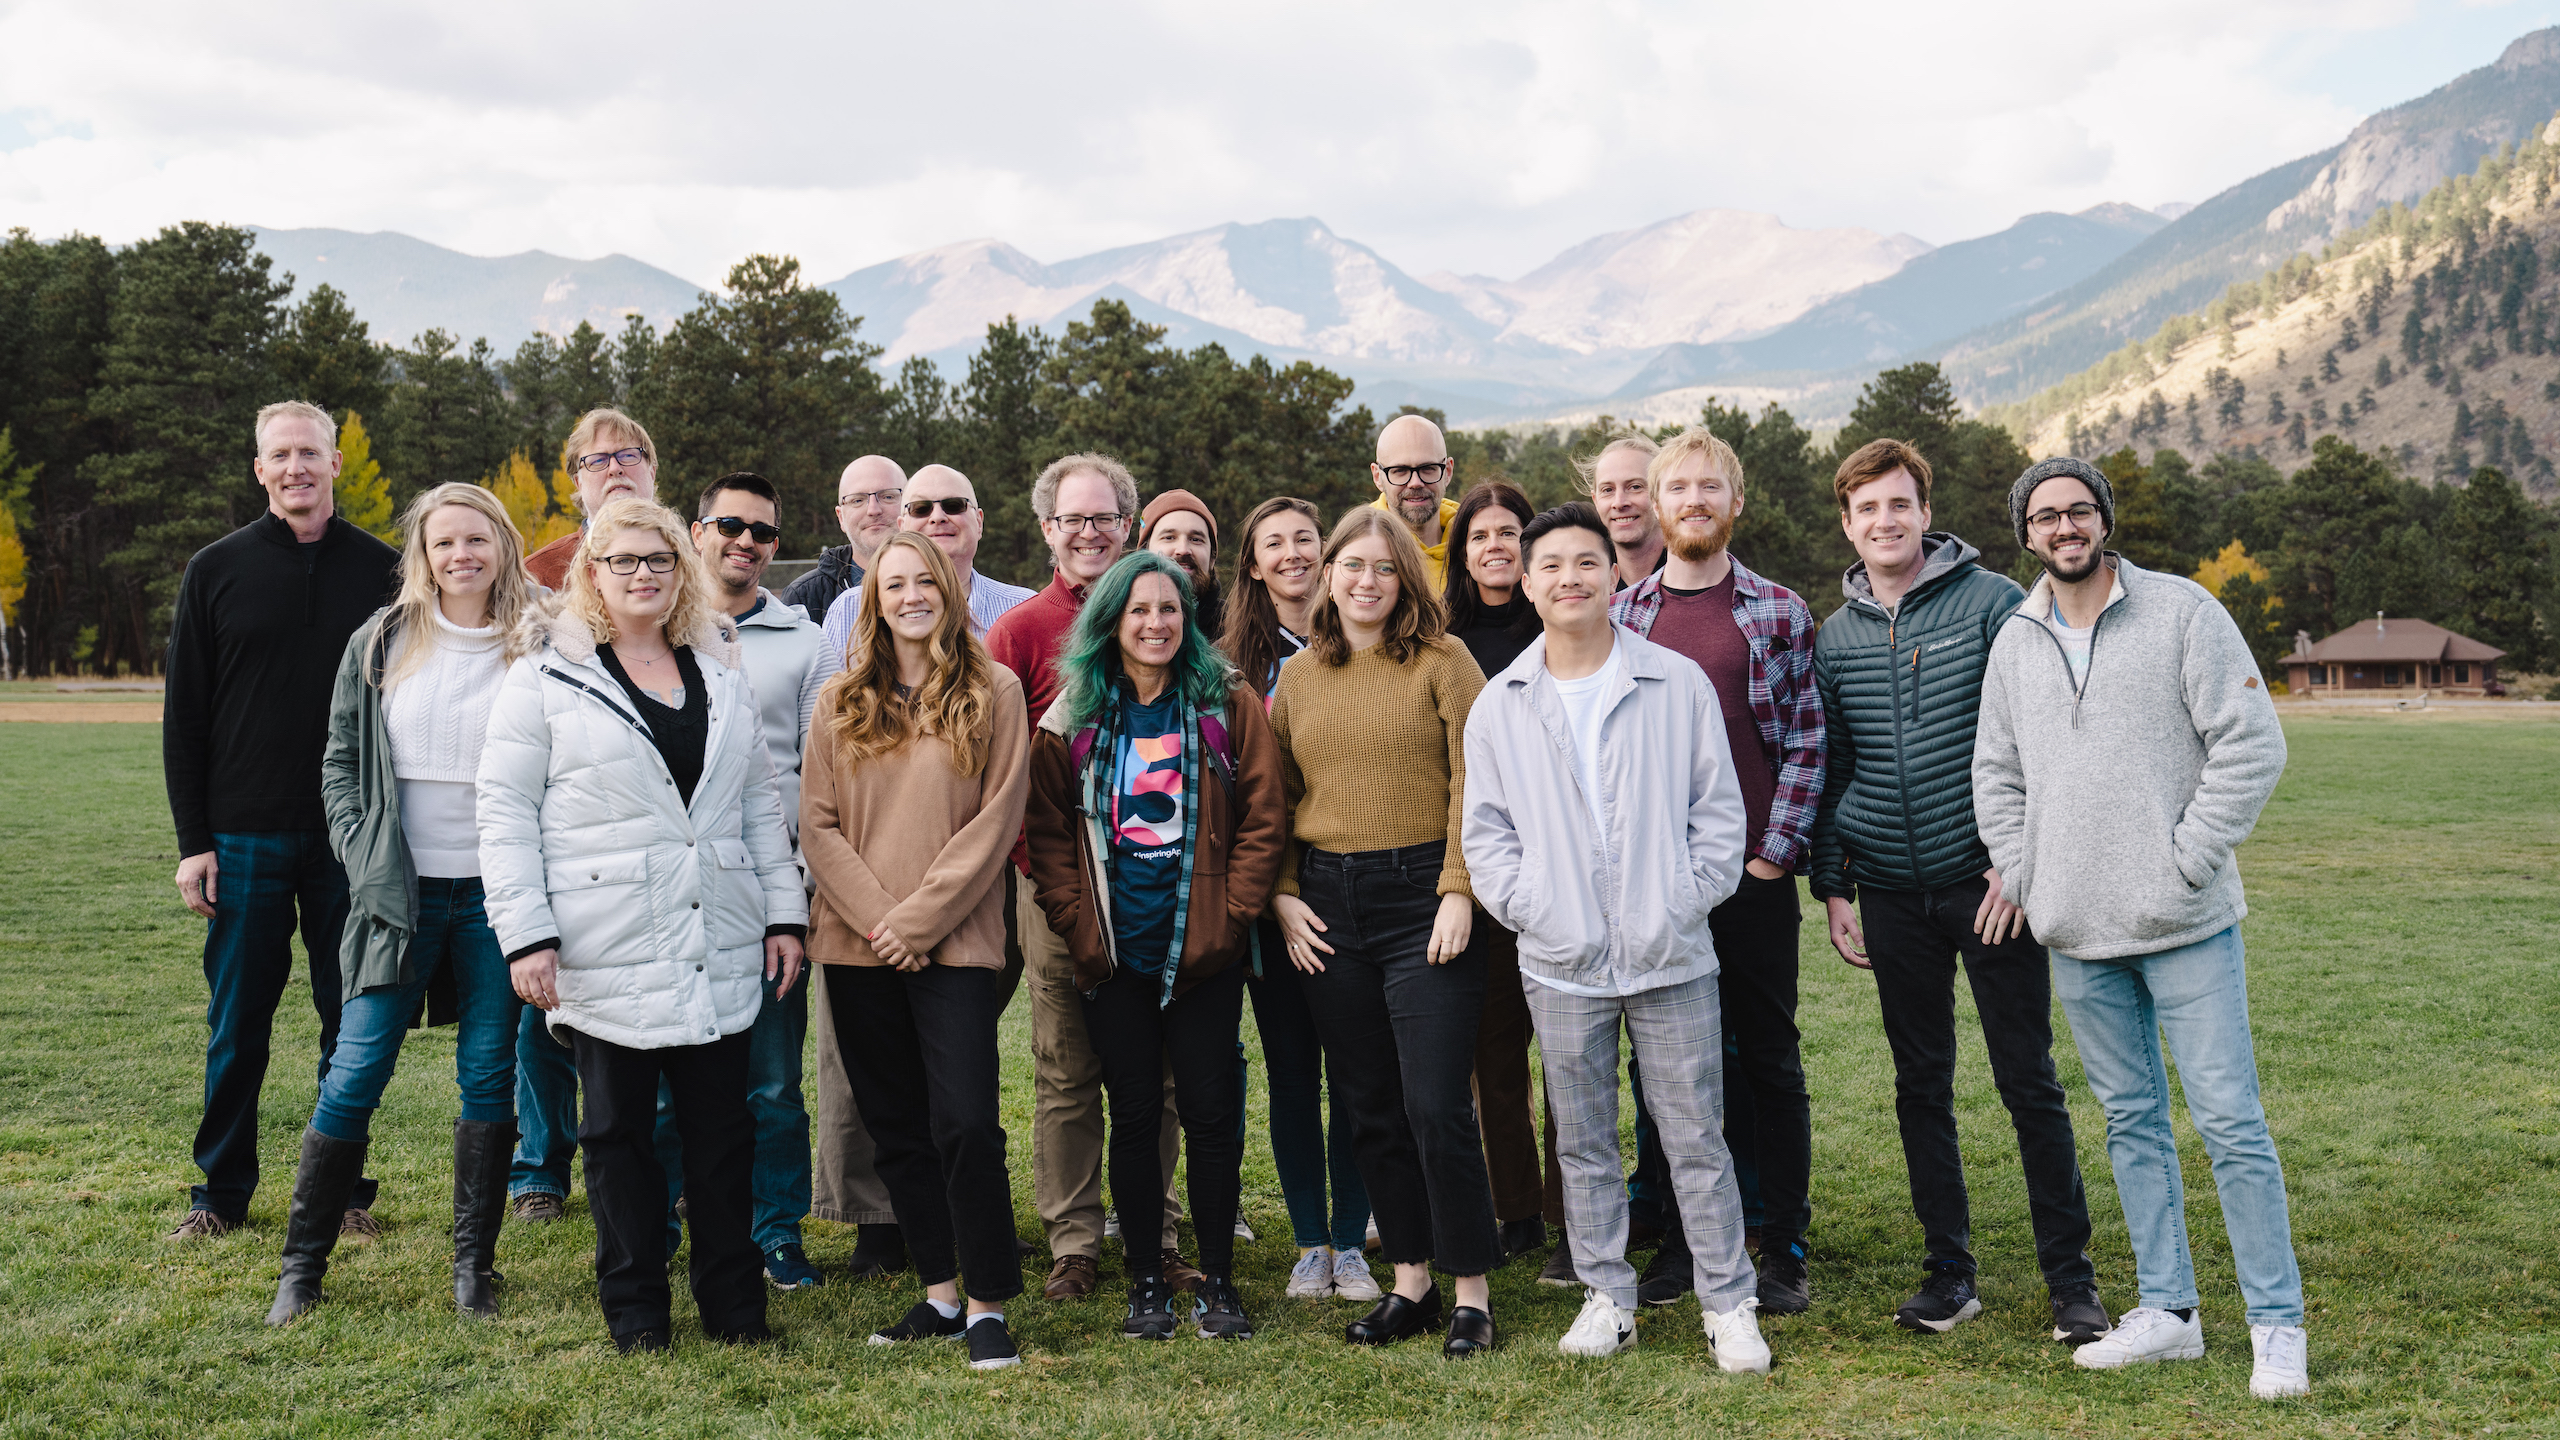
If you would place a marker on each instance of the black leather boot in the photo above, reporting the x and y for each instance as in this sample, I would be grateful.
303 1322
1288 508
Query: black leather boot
321 1187
481 1152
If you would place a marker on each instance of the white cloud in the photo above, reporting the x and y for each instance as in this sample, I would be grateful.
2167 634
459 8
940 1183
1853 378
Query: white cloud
1477 137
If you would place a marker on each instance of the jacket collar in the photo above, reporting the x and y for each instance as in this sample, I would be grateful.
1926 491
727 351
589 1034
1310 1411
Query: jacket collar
271 527
551 623
774 615
2038 606
1942 554
1643 659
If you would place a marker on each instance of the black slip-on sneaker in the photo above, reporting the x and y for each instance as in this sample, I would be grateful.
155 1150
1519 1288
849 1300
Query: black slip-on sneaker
921 1323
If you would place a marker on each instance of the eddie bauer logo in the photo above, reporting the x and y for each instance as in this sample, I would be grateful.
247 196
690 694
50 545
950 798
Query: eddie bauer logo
1943 644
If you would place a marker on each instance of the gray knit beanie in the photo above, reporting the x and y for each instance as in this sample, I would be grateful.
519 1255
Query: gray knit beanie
2043 470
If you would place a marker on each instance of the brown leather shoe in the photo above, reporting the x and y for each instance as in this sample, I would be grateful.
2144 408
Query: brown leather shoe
201 1225
1179 1273
357 1226
1073 1277
537 1207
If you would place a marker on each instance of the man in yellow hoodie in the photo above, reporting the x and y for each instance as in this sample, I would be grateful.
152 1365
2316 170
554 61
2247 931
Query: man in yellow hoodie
1413 471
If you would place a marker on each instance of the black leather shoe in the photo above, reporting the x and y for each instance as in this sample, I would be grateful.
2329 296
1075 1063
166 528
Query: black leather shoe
1471 1332
1396 1318
1521 1236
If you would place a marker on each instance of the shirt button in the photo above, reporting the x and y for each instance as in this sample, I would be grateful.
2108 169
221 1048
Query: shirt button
697 904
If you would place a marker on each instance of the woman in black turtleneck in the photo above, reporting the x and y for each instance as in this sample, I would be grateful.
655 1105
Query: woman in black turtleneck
1493 619
1487 612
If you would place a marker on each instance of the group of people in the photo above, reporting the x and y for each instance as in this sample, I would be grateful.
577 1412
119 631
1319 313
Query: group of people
1448 777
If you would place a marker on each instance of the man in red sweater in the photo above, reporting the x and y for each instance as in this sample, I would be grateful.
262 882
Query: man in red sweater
1086 505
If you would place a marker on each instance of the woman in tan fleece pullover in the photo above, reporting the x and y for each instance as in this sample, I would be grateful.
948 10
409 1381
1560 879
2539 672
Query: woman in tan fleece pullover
911 795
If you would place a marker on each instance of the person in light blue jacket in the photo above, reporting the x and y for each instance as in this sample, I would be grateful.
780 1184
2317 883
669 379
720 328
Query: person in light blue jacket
1602 823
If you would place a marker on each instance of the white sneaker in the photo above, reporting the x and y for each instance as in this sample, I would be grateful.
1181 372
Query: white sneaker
2283 1361
1245 1231
1601 1329
1110 1223
1351 1277
2141 1337
1312 1277
1735 1337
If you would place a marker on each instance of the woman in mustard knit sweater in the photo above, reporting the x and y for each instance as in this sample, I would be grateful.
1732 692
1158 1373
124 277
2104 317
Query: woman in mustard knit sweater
1374 906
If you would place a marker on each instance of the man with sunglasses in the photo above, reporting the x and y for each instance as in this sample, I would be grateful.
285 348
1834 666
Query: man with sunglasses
1412 473
787 660
609 456
867 496
942 506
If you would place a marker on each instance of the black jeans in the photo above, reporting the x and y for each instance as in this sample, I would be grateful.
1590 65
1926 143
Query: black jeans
919 1051
1914 941
1401 1034
627 1187
1196 1036
1756 933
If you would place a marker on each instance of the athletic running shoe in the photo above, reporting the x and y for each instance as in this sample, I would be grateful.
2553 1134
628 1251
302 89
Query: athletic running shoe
1945 1301
1312 1277
788 1267
2143 1337
1601 1329
1219 1312
2283 1361
1150 1310
2078 1318
1735 1337
1351 1277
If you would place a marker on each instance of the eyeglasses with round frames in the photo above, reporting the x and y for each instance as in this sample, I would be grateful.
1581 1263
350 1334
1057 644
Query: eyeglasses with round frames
659 563
626 457
2043 521
1107 522
949 505
733 527
1355 566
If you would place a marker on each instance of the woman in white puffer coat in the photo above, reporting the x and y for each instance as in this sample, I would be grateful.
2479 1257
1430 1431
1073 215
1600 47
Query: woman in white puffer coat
642 885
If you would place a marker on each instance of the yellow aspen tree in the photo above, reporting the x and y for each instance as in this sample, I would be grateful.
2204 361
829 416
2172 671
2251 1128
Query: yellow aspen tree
364 495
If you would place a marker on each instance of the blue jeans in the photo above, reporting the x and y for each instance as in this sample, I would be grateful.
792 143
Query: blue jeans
269 883
1302 1150
546 1110
452 929
781 1176
2198 994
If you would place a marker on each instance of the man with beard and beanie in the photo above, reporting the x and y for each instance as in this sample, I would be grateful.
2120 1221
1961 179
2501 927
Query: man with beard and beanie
1900 669
1412 473
1181 529
1754 638
2127 745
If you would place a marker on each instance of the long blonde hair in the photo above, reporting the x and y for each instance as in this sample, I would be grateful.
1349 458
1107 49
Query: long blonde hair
861 705
688 614
413 611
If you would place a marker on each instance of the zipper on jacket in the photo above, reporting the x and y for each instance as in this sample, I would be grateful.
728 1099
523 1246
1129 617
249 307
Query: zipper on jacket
1901 766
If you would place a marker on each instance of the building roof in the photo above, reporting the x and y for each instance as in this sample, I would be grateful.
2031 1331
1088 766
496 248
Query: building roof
2394 641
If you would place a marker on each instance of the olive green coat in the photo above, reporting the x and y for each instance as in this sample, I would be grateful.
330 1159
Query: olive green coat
362 796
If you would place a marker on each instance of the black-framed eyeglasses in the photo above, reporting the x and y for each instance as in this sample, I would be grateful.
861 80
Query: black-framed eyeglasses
659 563
733 527
2043 521
868 497
1107 522
606 460
948 504
1403 475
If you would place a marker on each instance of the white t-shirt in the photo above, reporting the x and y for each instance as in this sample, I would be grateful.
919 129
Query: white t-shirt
1586 701
2075 643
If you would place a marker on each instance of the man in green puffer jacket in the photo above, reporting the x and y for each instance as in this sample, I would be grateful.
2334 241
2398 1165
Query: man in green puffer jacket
1900 671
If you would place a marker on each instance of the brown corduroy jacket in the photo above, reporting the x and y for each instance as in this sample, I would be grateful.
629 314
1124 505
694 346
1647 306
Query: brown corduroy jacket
905 838
1243 824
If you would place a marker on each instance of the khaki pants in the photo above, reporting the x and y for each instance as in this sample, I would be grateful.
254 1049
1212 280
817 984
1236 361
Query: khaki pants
844 1187
1067 1107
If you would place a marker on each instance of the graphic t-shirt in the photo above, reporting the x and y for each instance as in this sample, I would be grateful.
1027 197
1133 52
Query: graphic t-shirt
1146 830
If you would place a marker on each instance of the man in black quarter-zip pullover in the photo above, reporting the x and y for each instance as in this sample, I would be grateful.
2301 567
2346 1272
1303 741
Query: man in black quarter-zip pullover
1900 669
262 621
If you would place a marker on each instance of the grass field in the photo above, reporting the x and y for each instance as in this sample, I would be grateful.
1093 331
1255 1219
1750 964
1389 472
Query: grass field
2405 920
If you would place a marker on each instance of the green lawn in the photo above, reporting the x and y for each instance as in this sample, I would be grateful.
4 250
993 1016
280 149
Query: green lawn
2405 920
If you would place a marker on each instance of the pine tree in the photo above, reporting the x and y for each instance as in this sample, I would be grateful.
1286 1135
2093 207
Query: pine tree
363 496
325 355
2497 550
15 480
185 372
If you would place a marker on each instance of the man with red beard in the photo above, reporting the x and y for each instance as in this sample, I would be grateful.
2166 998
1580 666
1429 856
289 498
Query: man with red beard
1754 638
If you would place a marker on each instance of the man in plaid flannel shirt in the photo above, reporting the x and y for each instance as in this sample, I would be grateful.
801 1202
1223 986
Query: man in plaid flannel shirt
1755 641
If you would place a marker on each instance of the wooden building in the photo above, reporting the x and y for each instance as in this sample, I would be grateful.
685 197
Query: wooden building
2392 655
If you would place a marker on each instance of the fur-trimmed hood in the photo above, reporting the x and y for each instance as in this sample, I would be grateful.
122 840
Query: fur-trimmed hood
547 622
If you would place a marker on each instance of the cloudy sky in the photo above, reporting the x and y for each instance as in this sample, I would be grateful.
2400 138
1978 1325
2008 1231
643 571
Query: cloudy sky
1474 135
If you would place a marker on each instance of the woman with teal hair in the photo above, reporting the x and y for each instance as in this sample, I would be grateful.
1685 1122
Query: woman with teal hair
1156 821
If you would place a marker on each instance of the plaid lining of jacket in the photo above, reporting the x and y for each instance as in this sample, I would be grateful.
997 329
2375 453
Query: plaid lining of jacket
1784 699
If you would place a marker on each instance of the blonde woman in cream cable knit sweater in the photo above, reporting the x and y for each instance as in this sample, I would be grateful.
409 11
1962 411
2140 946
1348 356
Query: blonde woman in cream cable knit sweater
405 727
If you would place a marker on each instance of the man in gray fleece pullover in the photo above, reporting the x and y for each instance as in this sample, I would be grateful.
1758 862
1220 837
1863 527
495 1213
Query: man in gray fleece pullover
2125 749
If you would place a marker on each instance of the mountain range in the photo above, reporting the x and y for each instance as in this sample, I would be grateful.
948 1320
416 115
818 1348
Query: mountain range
1720 300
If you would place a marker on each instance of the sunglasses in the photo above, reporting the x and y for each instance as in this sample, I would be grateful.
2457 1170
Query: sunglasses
733 527
951 505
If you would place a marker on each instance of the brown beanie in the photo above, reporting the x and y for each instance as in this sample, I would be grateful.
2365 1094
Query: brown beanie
1170 501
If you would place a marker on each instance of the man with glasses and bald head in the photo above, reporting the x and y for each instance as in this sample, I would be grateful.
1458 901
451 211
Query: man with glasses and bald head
942 506
610 456
867 497
1412 473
